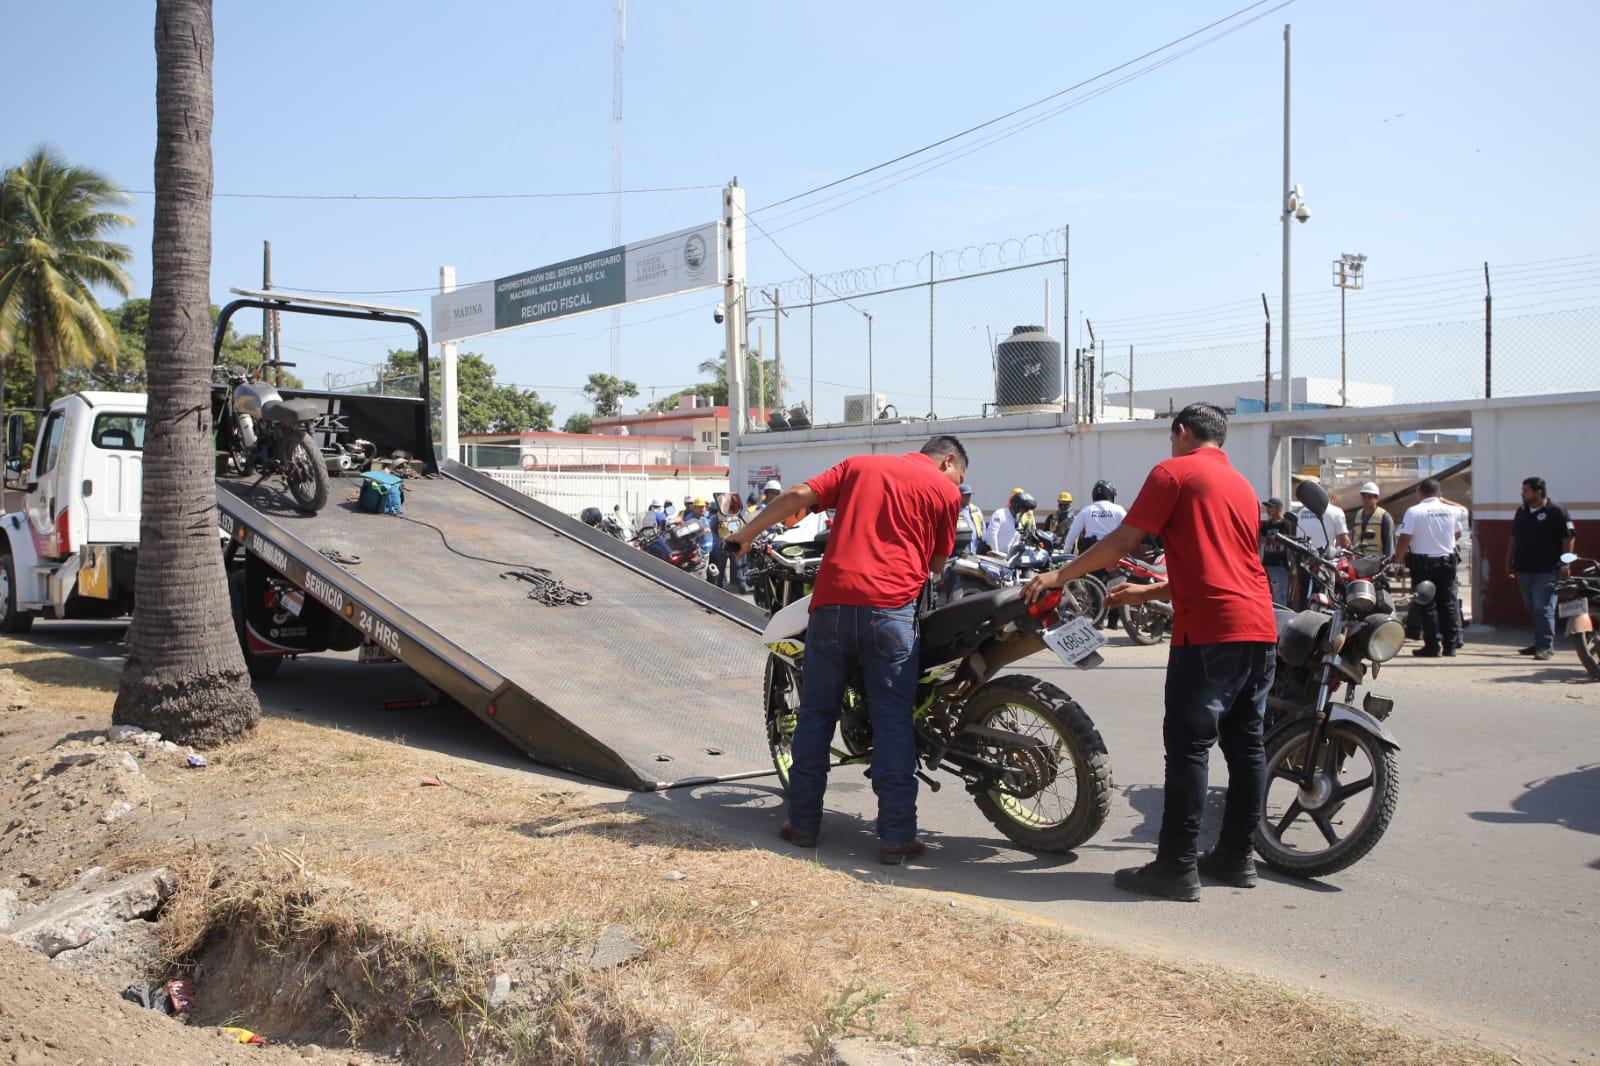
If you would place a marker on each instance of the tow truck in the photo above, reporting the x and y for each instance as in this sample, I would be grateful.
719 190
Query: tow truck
653 683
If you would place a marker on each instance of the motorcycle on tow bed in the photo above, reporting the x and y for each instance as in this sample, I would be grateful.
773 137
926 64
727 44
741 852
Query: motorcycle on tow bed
1332 769
1029 756
1578 602
259 432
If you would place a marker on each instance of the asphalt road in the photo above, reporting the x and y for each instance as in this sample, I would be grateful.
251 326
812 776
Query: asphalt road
1477 912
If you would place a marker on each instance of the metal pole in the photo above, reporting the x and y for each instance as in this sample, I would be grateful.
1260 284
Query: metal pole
930 334
1286 481
811 331
1066 297
449 398
777 347
266 315
1344 383
733 223
1488 336
761 374
872 392
1130 383
1266 374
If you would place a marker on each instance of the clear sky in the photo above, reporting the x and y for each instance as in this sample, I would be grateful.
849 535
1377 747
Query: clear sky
1430 136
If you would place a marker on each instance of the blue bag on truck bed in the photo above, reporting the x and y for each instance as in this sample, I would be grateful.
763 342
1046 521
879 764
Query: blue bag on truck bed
381 493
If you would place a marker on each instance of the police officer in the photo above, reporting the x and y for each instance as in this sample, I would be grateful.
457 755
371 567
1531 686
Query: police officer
1002 527
1102 516
969 524
1428 535
1374 529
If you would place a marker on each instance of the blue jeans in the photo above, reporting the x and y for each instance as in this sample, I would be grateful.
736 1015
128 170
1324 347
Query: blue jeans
1215 692
1538 595
1278 581
883 643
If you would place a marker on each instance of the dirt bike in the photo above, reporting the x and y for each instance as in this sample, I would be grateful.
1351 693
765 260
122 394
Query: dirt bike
261 433
1033 553
1029 756
1578 602
1333 775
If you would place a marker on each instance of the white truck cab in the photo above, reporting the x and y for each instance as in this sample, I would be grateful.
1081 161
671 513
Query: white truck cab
70 551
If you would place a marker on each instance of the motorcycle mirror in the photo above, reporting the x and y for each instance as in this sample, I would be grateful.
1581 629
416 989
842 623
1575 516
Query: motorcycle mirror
1568 558
1425 592
1313 497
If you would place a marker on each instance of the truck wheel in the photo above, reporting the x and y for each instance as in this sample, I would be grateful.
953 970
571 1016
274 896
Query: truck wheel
14 620
261 667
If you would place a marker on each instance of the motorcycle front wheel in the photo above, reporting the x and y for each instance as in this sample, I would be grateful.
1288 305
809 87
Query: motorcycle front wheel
1088 594
1054 810
1588 648
1143 625
305 473
1315 832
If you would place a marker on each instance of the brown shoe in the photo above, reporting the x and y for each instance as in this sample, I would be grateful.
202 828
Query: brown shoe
895 854
797 838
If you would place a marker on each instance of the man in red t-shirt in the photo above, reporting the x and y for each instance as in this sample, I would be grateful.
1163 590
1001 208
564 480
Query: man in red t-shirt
1221 663
894 523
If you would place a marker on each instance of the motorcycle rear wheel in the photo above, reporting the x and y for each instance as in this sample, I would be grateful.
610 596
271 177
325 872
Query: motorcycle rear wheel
1089 592
1143 625
1037 708
1588 647
305 473
1285 755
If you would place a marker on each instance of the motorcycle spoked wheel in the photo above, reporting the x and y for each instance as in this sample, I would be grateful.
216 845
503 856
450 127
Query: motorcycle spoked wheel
1072 806
1143 625
1588 648
782 688
305 473
1304 840
1089 594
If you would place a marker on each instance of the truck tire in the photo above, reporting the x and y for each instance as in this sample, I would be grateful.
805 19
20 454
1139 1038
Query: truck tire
14 620
261 667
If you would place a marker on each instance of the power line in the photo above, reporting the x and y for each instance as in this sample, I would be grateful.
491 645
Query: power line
379 197
1009 114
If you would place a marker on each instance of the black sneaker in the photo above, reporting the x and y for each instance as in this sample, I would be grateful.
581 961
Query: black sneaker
1150 880
1529 650
1449 653
1425 653
1238 873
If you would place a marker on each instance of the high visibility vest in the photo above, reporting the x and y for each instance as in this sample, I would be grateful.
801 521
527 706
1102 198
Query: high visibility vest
1369 532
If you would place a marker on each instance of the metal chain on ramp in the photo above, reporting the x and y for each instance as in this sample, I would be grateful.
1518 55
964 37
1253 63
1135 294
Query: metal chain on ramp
548 589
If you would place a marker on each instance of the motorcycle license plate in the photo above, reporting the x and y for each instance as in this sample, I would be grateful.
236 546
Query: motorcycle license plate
1572 608
1074 640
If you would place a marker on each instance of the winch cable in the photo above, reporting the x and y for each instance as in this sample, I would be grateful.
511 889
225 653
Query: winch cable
547 588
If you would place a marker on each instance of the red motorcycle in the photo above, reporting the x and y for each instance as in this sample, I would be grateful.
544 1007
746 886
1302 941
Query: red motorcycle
1145 623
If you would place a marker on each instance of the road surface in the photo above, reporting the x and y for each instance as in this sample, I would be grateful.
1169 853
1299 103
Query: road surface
1476 913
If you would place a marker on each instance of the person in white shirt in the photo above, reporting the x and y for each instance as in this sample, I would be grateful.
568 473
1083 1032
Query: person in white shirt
1427 542
1001 529
1096 520
1311 530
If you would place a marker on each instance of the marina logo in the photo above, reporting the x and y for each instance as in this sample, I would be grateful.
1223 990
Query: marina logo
469 311
694 254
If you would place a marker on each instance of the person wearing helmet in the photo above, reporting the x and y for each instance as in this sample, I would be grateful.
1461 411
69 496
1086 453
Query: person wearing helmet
669 515
650 519
1096 521
1057 522
1001 529
1374 534
969 525
771 491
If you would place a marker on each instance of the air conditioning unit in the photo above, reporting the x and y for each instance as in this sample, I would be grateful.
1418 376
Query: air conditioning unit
863 407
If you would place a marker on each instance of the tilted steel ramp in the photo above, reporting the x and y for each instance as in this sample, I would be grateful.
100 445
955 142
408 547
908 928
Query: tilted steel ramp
653 684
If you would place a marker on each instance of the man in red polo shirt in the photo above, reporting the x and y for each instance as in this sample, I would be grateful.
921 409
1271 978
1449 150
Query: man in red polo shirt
894 523
1221 663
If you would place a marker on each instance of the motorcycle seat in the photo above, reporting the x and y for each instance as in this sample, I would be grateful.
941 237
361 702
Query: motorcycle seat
944 627
291 411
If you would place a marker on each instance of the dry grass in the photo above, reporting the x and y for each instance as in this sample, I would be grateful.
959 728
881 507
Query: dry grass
752 956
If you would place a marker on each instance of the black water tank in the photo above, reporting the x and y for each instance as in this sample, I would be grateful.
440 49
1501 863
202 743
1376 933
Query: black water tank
1027 369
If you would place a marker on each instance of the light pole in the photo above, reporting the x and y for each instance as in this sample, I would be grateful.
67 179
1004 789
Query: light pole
872 394
1349 272
1295 209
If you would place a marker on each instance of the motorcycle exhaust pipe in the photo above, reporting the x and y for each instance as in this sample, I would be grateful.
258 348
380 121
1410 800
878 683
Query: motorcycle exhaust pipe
340 463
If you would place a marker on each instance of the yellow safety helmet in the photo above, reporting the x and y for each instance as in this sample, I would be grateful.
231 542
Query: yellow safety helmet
1065 497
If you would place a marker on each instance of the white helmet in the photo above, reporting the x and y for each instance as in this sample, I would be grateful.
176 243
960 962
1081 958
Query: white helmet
1369 489
773 485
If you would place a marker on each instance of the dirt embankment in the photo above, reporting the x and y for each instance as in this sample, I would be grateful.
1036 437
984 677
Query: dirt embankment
338 891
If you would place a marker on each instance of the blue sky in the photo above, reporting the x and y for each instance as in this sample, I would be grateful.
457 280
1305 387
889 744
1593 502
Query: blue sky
1431 137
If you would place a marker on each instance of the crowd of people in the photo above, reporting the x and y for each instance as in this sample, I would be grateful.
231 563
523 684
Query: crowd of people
717 517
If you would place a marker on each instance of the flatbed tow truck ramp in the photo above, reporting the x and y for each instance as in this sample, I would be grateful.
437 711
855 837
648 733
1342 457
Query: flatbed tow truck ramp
654 683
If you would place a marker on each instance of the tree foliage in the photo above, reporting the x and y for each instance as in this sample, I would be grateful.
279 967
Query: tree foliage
716 390
53 221
606 392
578 422
485 406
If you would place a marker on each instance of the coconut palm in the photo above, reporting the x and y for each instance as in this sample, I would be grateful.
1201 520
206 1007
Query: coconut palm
185 674
53 217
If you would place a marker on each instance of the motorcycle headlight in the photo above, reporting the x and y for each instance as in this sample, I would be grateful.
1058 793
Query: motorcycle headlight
1384 637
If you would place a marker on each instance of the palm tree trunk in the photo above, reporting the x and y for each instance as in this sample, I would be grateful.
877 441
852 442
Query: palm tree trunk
185 675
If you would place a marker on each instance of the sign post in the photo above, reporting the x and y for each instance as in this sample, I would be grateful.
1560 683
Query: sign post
449 407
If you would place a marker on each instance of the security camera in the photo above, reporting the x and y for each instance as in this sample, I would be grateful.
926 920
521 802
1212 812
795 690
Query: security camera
1302 213
720 314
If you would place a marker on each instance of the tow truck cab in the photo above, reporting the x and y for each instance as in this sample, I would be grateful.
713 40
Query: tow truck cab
70 549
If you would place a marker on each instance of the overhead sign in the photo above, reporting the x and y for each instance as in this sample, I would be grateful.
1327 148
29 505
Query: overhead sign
645 270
